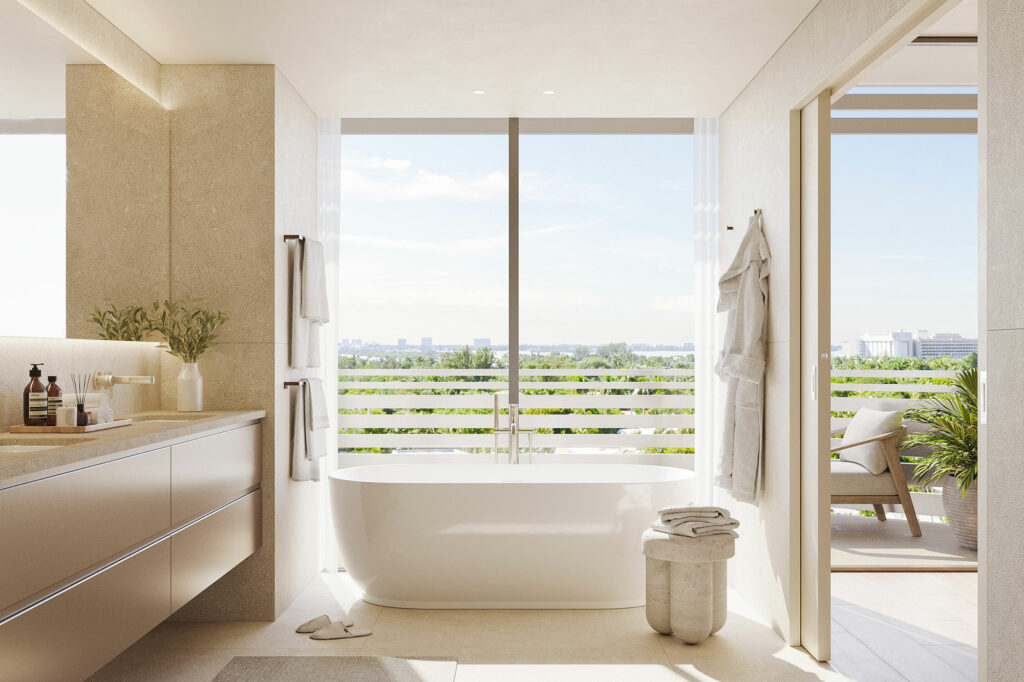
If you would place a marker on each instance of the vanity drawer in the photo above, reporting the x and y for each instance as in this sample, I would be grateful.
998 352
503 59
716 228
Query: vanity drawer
206 550
209 472
57 527
75 633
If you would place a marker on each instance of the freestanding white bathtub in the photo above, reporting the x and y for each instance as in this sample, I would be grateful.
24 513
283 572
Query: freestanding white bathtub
526 536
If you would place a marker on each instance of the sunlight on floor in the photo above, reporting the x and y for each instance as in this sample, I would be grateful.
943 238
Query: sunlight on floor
905 626
597 645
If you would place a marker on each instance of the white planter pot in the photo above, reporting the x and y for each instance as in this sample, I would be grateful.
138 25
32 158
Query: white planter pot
190 388
962 512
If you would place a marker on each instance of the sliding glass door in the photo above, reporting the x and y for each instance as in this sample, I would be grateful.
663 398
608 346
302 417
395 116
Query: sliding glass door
600 309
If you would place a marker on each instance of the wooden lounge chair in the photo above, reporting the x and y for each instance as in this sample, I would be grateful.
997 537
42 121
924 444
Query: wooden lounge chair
853 484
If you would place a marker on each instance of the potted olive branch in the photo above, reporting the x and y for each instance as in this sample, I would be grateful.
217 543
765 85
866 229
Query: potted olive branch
188 330
952 442
130 323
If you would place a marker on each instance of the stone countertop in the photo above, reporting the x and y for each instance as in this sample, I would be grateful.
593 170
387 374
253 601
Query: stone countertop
148 430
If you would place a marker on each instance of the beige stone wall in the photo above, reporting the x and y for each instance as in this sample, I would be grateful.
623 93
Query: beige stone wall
233 169
754 172
64 356
118 192
222 250
1001 249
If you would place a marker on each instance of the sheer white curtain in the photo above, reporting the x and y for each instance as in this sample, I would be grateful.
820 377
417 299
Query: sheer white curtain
705 256
329 232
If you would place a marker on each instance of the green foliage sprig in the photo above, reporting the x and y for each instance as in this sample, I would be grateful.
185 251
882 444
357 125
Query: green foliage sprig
188 328
953 436
130 323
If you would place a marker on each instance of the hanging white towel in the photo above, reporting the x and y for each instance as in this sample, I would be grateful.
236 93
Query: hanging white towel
298 349
316 416
743 293
314 305
309 421
310 309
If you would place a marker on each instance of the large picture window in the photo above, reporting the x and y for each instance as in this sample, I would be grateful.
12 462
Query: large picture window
600 241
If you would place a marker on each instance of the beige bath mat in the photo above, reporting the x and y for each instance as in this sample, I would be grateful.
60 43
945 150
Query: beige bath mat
333 668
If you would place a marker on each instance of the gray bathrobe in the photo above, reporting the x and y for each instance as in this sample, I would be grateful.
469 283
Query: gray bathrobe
743 293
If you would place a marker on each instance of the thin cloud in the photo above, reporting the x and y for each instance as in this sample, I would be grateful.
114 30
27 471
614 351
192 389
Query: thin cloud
459 247
682 303
563 227
394 165
421 185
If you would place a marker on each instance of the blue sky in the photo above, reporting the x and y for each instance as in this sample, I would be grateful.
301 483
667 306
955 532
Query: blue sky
606 231
606 237
904 234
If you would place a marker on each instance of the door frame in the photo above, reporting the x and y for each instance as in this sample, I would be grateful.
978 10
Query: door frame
811 135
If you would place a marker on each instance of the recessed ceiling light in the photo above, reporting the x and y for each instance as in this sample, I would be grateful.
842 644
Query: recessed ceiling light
478 92
548 92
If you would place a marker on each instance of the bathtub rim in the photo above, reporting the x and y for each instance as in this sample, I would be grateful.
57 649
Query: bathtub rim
681 474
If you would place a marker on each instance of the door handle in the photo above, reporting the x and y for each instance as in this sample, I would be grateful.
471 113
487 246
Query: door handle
814 381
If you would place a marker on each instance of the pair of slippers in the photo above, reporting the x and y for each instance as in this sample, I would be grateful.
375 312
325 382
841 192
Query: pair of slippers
321 627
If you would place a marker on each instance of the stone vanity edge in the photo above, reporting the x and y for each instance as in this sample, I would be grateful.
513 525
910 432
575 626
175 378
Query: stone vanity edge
110 444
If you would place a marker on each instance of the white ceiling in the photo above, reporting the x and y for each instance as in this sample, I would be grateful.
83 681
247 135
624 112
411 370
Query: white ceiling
32 59
934 65
426 57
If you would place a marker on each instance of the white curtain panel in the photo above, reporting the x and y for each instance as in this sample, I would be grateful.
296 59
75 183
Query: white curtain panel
329 232
705 255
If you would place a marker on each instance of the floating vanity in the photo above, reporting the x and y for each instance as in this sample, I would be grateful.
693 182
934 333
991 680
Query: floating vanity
105 535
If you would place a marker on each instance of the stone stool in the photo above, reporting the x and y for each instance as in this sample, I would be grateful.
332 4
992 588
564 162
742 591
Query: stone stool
686 583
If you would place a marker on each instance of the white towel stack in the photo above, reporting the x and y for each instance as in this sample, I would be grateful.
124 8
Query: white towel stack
695 522
309 424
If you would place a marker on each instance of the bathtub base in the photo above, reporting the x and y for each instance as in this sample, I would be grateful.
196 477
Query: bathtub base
493 536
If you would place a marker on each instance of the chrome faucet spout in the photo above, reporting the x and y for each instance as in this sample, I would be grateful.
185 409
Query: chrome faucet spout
513 431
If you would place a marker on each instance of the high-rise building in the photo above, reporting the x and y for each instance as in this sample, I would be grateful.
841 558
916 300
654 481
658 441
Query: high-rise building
946 346
901 344
401 343
426 343
481 343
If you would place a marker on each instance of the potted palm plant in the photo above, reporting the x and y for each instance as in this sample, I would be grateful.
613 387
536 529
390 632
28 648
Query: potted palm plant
952 442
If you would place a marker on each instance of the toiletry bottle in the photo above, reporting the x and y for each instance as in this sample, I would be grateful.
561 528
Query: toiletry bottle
34 404
53 400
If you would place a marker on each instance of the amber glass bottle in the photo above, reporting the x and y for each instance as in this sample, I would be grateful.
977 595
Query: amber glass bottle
34 406
53 400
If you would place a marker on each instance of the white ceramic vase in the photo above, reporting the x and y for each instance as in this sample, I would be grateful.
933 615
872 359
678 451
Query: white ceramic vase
190 388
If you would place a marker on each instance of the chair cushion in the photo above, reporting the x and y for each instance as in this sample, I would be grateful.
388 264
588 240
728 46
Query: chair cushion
850 478
868 423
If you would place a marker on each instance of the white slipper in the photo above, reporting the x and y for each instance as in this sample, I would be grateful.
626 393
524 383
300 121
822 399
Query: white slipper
339 631
314 625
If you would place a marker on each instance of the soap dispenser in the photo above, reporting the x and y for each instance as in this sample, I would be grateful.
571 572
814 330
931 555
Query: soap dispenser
34 403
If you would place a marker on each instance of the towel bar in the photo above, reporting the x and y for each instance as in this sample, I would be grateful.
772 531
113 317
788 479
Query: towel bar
289 237
289 384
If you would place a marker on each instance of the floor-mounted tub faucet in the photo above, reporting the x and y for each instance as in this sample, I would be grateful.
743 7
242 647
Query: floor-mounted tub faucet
513 432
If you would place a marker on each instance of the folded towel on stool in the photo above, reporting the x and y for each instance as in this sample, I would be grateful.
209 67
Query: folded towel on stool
720 521
692 512
698 529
